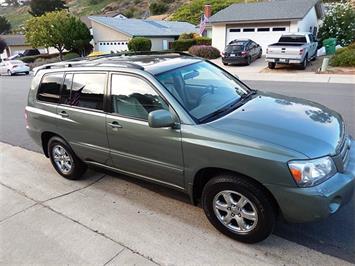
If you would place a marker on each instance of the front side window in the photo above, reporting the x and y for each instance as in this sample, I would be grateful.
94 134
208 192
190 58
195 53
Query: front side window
134 97
49 89
84 90
203 89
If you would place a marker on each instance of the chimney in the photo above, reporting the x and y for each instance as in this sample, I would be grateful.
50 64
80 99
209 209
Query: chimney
208 10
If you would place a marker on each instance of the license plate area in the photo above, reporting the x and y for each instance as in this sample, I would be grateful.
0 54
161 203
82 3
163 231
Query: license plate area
282 60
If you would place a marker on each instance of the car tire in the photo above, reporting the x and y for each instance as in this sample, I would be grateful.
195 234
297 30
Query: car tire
27 73
226 64
272 65
248 62
260 54
9 72
246 201
64 160
303 65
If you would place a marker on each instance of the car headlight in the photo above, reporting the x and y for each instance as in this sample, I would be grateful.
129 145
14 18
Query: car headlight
309 173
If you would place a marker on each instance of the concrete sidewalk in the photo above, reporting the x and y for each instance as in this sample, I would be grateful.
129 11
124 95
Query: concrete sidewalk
102 219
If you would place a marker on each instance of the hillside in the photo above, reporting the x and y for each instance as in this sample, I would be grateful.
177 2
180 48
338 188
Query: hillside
134 8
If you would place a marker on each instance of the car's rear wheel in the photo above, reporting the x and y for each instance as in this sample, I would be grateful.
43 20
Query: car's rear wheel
239 208
248 62
271 65
303 65
64 160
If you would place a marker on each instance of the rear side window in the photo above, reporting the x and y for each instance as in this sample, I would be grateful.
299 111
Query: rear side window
84 90
49 89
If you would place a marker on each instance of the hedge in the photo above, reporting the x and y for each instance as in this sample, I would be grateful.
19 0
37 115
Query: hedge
183 45
344 57
204 51
203 41
140 44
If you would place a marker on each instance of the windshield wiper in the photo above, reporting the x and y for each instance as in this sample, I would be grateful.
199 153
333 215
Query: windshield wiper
230 107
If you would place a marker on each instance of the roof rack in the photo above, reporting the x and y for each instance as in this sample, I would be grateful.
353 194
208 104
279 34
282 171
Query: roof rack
129 53
86 63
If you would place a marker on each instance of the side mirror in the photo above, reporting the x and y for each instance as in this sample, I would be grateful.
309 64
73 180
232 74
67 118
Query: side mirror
160 118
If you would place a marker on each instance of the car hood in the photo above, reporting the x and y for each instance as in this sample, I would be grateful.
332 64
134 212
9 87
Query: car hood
303 126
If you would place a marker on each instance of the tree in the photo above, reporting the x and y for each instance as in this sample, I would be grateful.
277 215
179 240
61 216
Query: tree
59 30
5 25
3 46
12 2
192 11
339 23
40 7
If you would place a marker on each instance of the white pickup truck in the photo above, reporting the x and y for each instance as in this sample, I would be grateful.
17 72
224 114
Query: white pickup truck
293 48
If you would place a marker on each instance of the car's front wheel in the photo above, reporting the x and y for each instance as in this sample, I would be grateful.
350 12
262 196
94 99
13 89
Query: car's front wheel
64 160
239 208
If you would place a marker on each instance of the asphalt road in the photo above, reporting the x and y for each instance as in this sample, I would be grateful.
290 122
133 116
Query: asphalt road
334 236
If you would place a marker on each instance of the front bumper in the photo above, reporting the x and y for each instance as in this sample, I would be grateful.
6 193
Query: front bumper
284 60
315 203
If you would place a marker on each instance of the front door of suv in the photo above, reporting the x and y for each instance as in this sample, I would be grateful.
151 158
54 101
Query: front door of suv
136 148
82 121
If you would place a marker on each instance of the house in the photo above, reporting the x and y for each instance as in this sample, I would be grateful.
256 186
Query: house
113 34
265 22
15 44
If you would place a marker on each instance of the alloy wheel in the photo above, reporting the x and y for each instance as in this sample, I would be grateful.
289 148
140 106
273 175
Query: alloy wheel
235 211
62 159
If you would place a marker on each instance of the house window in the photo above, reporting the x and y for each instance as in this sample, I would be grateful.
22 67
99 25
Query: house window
234 30
249 30
263 29
279 29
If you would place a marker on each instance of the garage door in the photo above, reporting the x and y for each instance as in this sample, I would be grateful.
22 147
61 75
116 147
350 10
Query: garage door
261 35
114 46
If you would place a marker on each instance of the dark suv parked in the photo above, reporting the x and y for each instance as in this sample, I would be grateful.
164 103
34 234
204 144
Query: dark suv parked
246 156
241 52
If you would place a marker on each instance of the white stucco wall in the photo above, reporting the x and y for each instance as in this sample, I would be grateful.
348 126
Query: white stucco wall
310 20
157 43
219 36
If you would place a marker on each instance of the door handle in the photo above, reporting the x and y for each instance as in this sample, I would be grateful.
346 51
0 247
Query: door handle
63 114
114 124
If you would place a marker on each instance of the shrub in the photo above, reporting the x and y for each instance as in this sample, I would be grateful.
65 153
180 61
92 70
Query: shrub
183 45
339 23
139 44
186 36
157 8
204 51
344 57
203 41
70 55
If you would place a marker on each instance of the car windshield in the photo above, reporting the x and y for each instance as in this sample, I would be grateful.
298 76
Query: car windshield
234 48
204 90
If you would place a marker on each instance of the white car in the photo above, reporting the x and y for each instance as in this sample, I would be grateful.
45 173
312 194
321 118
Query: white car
12 67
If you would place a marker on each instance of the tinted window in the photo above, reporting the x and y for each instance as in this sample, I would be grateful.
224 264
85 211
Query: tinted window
234 30
234 48
263 29
87 90
49 89
133 97
293 39
249 30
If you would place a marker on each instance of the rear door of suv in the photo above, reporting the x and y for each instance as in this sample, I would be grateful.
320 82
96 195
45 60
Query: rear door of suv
81 116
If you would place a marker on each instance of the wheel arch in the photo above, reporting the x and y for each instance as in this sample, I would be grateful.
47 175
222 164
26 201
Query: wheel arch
45 137
204 175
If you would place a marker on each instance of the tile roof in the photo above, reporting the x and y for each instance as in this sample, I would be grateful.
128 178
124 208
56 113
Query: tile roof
269 10
142 27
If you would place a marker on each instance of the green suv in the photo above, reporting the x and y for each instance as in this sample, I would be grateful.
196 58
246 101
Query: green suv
245 156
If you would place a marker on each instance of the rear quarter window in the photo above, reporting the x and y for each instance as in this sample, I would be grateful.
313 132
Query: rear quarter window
49 88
